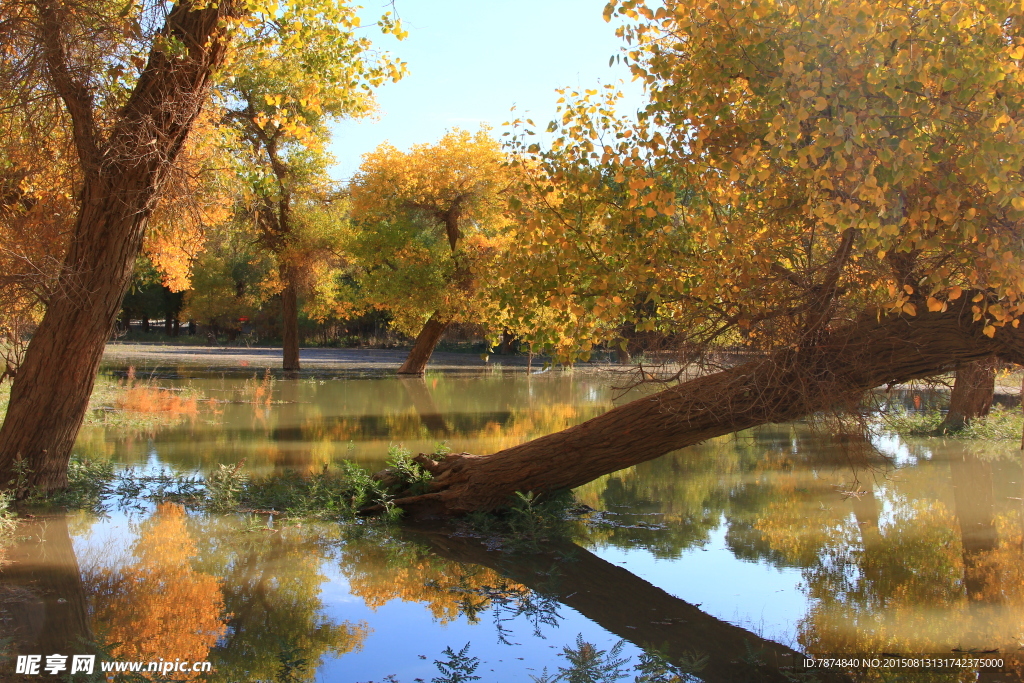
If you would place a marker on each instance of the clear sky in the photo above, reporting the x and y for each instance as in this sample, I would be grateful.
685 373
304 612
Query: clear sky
470 61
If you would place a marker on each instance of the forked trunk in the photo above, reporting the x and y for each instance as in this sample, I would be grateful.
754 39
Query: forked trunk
290 321
785 386
421 351
973 390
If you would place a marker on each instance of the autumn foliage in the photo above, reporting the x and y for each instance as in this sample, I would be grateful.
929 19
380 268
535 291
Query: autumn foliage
160 606
797 163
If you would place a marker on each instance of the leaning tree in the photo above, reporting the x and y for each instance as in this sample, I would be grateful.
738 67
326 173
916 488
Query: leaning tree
836 184
130 81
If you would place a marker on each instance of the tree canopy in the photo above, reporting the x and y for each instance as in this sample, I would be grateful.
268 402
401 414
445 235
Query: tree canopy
797 162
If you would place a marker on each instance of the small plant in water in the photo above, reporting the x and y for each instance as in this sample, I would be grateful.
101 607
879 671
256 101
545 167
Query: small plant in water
458 668
223 487
530 520
8 520
654 667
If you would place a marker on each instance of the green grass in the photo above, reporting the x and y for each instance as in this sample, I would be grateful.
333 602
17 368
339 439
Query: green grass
1000 424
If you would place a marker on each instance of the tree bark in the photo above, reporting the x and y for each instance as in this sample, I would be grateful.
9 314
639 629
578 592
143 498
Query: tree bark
421 351
123 173
792 383
290 320
973 391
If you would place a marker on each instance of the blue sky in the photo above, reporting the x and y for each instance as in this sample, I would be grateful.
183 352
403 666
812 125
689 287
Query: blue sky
470 61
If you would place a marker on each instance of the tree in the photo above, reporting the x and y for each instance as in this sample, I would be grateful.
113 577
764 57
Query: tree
840 184
128 128
972 394
130 82
306 69
429 223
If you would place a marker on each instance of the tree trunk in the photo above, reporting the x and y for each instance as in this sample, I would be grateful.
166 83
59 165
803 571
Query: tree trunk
290 320
973 390
789 384
426 341
122 179
628 606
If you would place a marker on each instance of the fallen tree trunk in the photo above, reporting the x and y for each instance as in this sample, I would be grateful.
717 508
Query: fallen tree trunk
789 384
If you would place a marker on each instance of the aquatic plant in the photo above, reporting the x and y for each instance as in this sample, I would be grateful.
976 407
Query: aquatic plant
408 473
324 494
588 664
223 487
529 520
8 520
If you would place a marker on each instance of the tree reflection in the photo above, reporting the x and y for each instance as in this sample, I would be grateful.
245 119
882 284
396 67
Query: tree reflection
381 568
159 606
272 579
43 604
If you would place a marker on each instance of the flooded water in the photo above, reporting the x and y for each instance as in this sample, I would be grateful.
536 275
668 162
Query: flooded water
746 550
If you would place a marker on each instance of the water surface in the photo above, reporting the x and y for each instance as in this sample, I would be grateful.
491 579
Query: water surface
755 547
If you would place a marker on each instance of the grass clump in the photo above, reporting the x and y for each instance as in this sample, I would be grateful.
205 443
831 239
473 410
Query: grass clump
8 518
325 494
529 521
1000 424
588 664
89 481
407 474
224 486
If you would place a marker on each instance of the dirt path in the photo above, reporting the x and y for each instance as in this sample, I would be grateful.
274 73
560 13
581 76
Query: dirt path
151 354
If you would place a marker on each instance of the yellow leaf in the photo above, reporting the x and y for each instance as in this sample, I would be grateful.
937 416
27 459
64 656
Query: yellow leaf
989 331
934 304
1018 203
910 309
955 293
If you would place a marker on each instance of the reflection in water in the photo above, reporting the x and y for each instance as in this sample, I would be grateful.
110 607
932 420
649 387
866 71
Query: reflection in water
306 424
158 607
380 569
628 606
927 556
272 583
42 600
